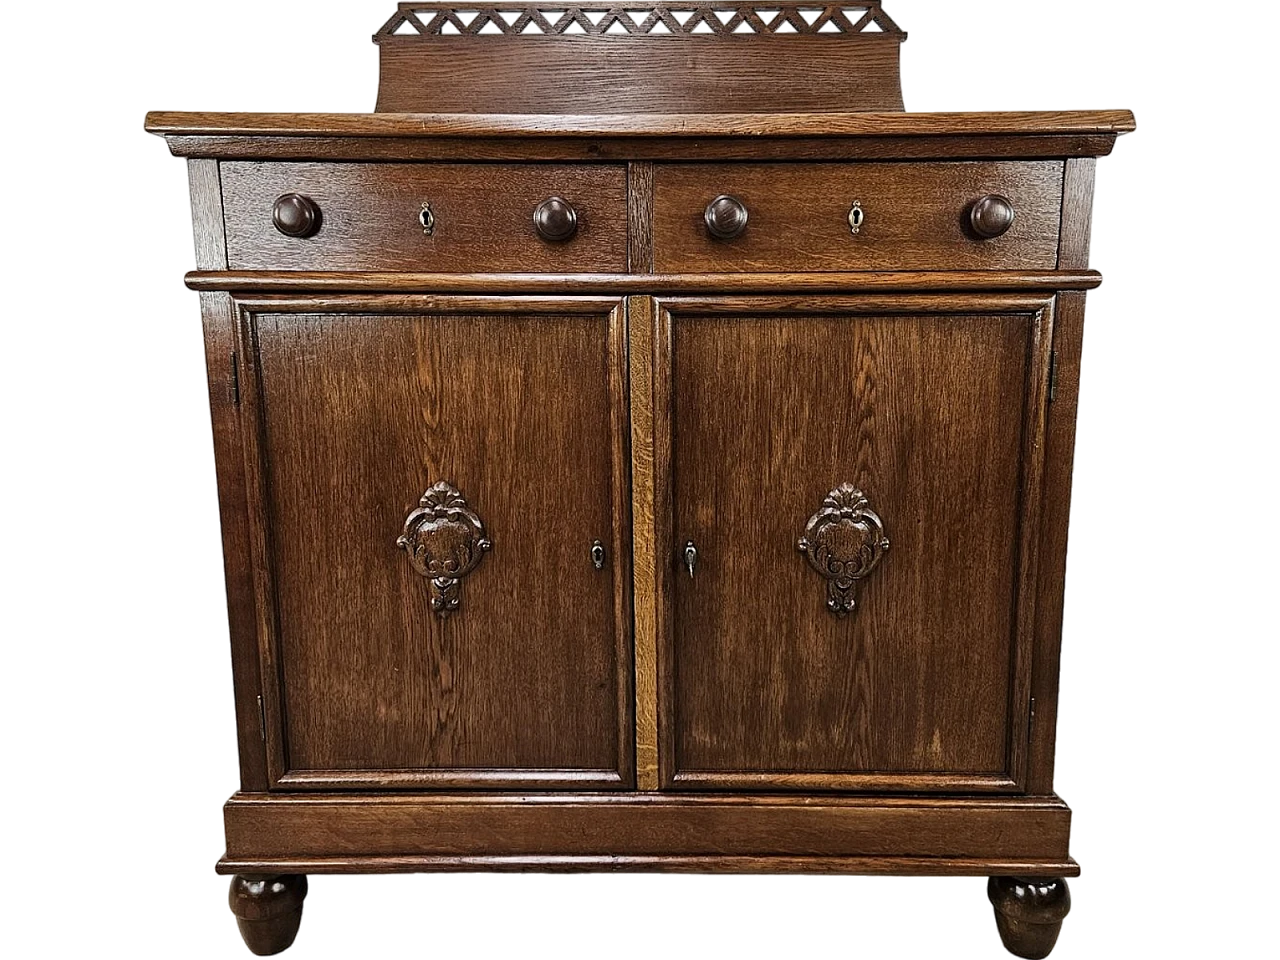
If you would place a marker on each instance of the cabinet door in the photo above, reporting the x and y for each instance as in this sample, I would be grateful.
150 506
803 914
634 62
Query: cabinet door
853 497
438 502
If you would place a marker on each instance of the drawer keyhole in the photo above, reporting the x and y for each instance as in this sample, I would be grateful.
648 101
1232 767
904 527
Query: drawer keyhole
857 217
427 218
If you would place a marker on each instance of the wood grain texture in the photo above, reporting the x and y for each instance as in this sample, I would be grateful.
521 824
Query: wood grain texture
271 828
915 216
623 76
894 866
640 316
268 910
483 217
1077 213
1054 522
360 411
222 362
924 689
206 214
640 217
689 125
624 149
266 281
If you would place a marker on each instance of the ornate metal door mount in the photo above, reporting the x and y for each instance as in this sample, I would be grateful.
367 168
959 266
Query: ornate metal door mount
844 542
445 541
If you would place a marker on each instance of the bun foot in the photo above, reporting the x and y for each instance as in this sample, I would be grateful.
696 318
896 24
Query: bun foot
268 911
1029 913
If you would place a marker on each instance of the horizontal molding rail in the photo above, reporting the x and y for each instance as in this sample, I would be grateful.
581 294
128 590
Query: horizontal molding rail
656 284
852 866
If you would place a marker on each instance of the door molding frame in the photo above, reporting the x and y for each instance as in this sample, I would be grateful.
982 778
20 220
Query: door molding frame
1040 309
251 410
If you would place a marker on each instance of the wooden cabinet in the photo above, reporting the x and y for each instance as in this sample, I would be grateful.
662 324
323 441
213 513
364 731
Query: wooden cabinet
644 489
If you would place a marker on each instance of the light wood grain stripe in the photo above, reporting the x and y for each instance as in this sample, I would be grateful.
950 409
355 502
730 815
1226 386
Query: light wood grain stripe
640 325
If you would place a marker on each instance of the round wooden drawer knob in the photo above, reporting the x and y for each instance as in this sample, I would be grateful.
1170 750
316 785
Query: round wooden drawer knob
726 217
555 219
992 216
296 216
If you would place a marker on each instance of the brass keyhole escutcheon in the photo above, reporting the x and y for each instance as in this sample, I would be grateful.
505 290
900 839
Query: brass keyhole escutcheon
427 218
857 217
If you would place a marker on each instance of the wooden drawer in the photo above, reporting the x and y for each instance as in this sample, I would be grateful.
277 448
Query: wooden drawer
482 217
915 216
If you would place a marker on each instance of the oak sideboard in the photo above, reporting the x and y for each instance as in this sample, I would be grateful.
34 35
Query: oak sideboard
642 445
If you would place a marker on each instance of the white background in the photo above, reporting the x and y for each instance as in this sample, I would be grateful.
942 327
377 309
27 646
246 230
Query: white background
118 732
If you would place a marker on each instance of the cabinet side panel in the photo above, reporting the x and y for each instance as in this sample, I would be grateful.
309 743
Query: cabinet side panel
219 315
1068 340
206 214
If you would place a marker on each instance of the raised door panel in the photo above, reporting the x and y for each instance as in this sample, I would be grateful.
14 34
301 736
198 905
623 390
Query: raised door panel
901 439
509 664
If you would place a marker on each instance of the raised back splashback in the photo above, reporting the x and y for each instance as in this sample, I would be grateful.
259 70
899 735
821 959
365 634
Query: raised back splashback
692 57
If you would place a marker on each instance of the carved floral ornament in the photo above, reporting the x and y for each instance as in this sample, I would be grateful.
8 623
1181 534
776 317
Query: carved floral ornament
445 540
653 19
844 541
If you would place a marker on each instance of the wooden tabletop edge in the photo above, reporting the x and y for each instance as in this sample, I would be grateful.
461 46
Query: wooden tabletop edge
196 124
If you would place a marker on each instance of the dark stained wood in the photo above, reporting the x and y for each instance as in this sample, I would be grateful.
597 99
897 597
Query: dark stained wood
222 362
617 284
296 216
1059 457
772 409
206 214
437 19
556 75
483 217
692 126
442 57
992 216
555 219
481 378
360 412
268 910
269 828
1029 913
640 217
895 866
622 149
915 216
1077 214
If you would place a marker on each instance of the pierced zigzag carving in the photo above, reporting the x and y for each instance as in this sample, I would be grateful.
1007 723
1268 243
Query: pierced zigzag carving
604 19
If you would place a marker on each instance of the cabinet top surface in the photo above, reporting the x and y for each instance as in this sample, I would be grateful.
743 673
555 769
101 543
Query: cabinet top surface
701 125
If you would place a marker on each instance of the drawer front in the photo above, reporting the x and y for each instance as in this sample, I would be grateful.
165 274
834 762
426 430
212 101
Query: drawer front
914 216
370 217
855 494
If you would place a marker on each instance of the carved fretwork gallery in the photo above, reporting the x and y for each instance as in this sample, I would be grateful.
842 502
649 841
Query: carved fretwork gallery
645 298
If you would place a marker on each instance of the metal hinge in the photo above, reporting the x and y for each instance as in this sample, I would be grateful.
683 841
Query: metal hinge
262 716
1053 375
1031 718
235 379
